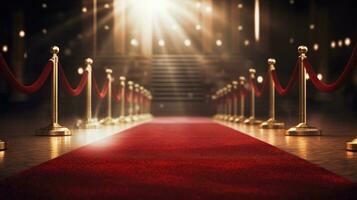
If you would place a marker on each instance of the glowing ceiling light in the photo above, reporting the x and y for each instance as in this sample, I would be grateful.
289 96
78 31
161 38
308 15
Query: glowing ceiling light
347 41
246 42
320 77
80 70
312 26
187 42
22 33
44 31
209 9
44 5
333 44
316 47
4 48
219 43
106 27
84 9
292 2
260 79
198 27
240 6
106 5
257 21
240 28
291 40
134 42
161 43
340 43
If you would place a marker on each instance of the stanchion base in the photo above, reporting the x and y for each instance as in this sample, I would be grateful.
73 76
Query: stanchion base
88 124
129 119
252 121
54 130
239 119
303 130
352 146
2 145
121 120
231 118
108 121
272 124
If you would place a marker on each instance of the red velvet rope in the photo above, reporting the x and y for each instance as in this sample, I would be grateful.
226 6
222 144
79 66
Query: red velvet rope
329 87
279 88
243 91
73 91
103 92
259 91
117 97
32 88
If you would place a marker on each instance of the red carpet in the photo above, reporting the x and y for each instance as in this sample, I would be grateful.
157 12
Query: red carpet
177 158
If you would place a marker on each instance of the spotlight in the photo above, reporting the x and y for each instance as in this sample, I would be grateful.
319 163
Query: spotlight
106 5
240 6
240 28
260 79
161 43
333 44
347 41
22 33
84 9
219 43
134 42
5 48
187 42
44 31
44 5
320 77
209 9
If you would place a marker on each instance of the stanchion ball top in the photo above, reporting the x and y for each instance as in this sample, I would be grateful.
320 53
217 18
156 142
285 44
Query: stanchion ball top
137 85
252 71
235 83
130 82
89 61
271 61
55 50
302 49
241 78
108 71
122 78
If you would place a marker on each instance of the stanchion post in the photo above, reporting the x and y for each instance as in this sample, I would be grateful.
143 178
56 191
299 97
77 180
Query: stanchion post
272 123
302 129
141 102
235 101
54 129
225 100
149 106
229 99
109 119
136 102
89 122
122 118
241 117
129 118
252 120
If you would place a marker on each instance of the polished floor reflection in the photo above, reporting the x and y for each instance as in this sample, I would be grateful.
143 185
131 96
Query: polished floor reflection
26 150
327 150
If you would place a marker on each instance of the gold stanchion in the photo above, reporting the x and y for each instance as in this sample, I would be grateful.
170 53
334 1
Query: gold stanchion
54 129
89 121
302 129
272 123
2 145
141 102
241 117
136 102
352 146
130 118
235 101
109 120
149 106
122 118
252 120
225 99
230 103
215 103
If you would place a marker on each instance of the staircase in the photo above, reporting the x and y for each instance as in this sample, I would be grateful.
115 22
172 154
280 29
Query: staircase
177 86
